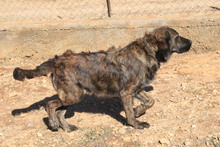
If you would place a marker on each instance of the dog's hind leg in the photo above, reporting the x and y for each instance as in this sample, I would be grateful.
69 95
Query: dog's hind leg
51 110
62 121
147 101
71 95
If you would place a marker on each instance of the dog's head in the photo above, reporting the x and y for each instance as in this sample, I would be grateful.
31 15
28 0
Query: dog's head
169 41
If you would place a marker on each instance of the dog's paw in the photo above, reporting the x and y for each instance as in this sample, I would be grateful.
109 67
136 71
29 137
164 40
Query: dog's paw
141 125
144 124
70 128
138 114
18 74
53 125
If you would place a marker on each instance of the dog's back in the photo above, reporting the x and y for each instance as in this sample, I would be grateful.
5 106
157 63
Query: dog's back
93 72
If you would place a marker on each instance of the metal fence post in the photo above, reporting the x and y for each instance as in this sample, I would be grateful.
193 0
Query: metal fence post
109 8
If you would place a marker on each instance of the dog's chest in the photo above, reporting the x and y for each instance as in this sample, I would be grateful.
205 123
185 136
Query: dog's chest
151 70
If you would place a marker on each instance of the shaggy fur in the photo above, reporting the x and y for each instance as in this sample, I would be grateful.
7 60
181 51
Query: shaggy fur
117 72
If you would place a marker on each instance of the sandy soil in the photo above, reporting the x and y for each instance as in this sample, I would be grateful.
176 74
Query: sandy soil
186 112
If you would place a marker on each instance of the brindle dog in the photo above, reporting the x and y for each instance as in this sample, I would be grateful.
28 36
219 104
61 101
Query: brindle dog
122 72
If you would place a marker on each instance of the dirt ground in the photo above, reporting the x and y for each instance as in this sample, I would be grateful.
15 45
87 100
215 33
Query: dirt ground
186 112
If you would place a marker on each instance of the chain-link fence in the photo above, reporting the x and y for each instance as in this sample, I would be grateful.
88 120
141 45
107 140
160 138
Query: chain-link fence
46 10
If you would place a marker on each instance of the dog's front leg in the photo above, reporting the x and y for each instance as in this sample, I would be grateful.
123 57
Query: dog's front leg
147 101
127 101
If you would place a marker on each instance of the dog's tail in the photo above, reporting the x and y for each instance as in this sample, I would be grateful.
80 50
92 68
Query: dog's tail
41 70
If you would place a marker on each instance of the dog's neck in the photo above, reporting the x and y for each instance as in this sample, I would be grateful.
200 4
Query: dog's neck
149 45
151 41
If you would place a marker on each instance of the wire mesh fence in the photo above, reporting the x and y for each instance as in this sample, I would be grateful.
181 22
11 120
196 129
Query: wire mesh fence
163 7
46 10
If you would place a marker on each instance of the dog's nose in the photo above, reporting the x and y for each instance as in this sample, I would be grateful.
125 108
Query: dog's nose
190 42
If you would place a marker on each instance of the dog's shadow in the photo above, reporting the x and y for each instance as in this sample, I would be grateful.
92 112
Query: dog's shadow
89 104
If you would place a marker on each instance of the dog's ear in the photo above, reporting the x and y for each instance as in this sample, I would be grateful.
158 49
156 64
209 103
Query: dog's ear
163 42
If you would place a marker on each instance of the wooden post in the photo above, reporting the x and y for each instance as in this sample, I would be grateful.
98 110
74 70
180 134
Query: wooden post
109 8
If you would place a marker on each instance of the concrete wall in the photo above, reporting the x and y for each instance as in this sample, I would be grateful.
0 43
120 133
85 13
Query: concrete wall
45 39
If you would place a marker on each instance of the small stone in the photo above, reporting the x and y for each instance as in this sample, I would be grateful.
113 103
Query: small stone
114 142
122 131
30 124
200 99
193 126
127 139
136 134
215 91
39 134
164 141
188 142
115 130
184 86
134 138
44 81
22 115
1 134
12 94
171 134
